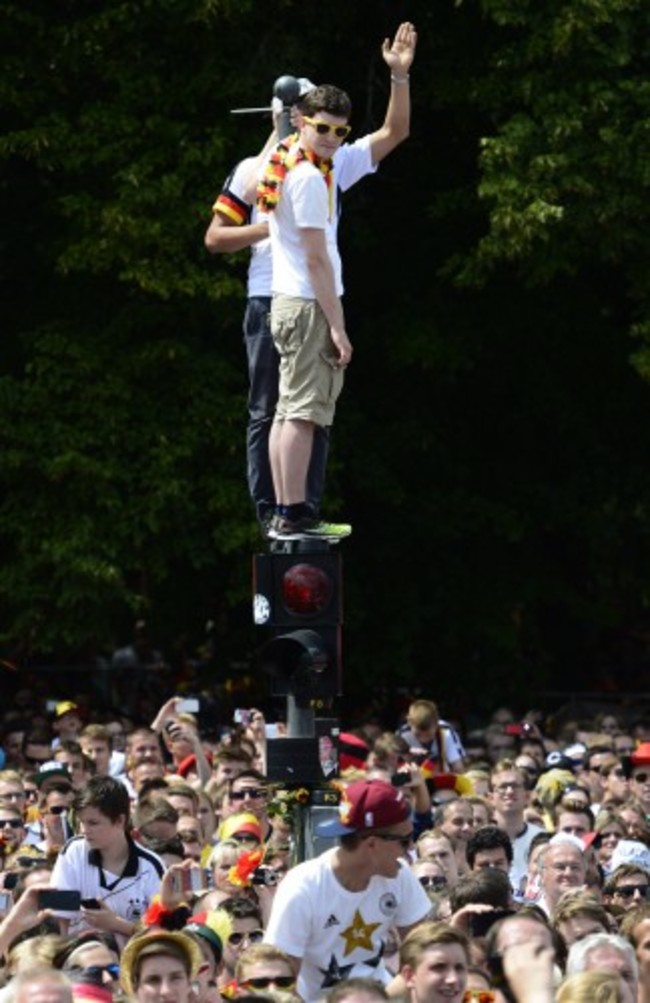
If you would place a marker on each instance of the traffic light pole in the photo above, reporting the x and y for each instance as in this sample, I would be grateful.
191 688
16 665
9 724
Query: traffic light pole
301 721
303 606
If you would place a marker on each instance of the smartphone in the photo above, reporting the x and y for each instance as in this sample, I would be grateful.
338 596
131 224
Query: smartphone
66 901
187 706
5 902
193 880
242 716
50 706
513 729
197 879
90 904
400 779
11 880
481 922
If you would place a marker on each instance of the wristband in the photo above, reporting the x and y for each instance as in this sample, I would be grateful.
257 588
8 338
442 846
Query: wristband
399 80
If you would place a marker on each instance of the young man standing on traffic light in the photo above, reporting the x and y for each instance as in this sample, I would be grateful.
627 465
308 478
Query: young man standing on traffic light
233 227
307 321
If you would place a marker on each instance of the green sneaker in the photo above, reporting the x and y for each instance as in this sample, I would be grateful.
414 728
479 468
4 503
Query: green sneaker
286 529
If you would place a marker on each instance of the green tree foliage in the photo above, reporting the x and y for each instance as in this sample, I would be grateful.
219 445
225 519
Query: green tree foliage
490 446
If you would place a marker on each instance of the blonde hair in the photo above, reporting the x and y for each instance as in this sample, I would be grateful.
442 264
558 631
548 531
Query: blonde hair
10 776
228 845
261 952
427 935
423 714
34 952
591 987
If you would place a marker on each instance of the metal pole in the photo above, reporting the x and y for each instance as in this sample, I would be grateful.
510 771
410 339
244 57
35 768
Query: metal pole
300 720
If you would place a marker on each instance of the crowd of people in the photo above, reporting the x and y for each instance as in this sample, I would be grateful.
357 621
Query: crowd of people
152 862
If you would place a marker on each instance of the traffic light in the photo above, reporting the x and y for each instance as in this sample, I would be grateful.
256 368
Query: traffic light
299 597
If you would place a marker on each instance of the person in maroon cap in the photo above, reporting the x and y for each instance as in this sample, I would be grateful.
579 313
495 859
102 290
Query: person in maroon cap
331 914
640 775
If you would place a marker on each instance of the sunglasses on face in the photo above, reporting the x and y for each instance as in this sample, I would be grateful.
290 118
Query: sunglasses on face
244 837
11 823
324 128
627 891
26 862
93 973
432 881
279 981
248 792
56 809
36 762
254 937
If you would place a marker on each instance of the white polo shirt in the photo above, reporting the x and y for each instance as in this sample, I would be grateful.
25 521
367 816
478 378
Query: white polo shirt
78 868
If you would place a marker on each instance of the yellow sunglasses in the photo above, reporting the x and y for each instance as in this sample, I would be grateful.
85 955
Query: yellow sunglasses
324 128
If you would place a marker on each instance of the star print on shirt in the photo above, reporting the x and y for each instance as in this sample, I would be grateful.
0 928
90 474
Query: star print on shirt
334 973
358 934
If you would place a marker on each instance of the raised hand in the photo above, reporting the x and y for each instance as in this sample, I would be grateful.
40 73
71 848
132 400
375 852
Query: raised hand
399 54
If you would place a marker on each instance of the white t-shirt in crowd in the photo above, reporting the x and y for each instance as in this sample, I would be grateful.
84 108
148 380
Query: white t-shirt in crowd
338 933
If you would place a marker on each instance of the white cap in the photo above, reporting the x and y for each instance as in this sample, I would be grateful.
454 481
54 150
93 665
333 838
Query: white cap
630 851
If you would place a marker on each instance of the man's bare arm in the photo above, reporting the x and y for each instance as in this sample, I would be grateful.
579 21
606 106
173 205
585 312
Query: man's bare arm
223 236
321 276
398 56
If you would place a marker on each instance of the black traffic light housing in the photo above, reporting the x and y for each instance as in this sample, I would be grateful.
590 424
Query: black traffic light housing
298 597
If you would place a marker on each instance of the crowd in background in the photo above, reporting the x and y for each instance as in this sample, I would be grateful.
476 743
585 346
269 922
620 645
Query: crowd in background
533 850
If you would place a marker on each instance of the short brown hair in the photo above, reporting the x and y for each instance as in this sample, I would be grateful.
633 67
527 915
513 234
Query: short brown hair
576 902
426 936
327 98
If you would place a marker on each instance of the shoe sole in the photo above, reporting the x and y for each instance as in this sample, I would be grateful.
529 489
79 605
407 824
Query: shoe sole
274 534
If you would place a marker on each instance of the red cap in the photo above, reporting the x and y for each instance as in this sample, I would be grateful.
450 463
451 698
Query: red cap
367 804
641 755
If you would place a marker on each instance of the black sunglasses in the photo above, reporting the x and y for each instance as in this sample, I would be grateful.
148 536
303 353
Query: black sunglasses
13 823
26 862
432 881
248 792
254 937
627 891
279 981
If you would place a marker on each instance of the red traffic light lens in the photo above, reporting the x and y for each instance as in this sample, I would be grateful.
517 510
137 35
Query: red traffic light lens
306 589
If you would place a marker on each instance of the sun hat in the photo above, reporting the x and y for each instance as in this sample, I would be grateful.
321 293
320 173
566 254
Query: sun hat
175 943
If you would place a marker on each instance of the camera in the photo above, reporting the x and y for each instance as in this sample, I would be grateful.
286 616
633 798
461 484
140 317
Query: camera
265 876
